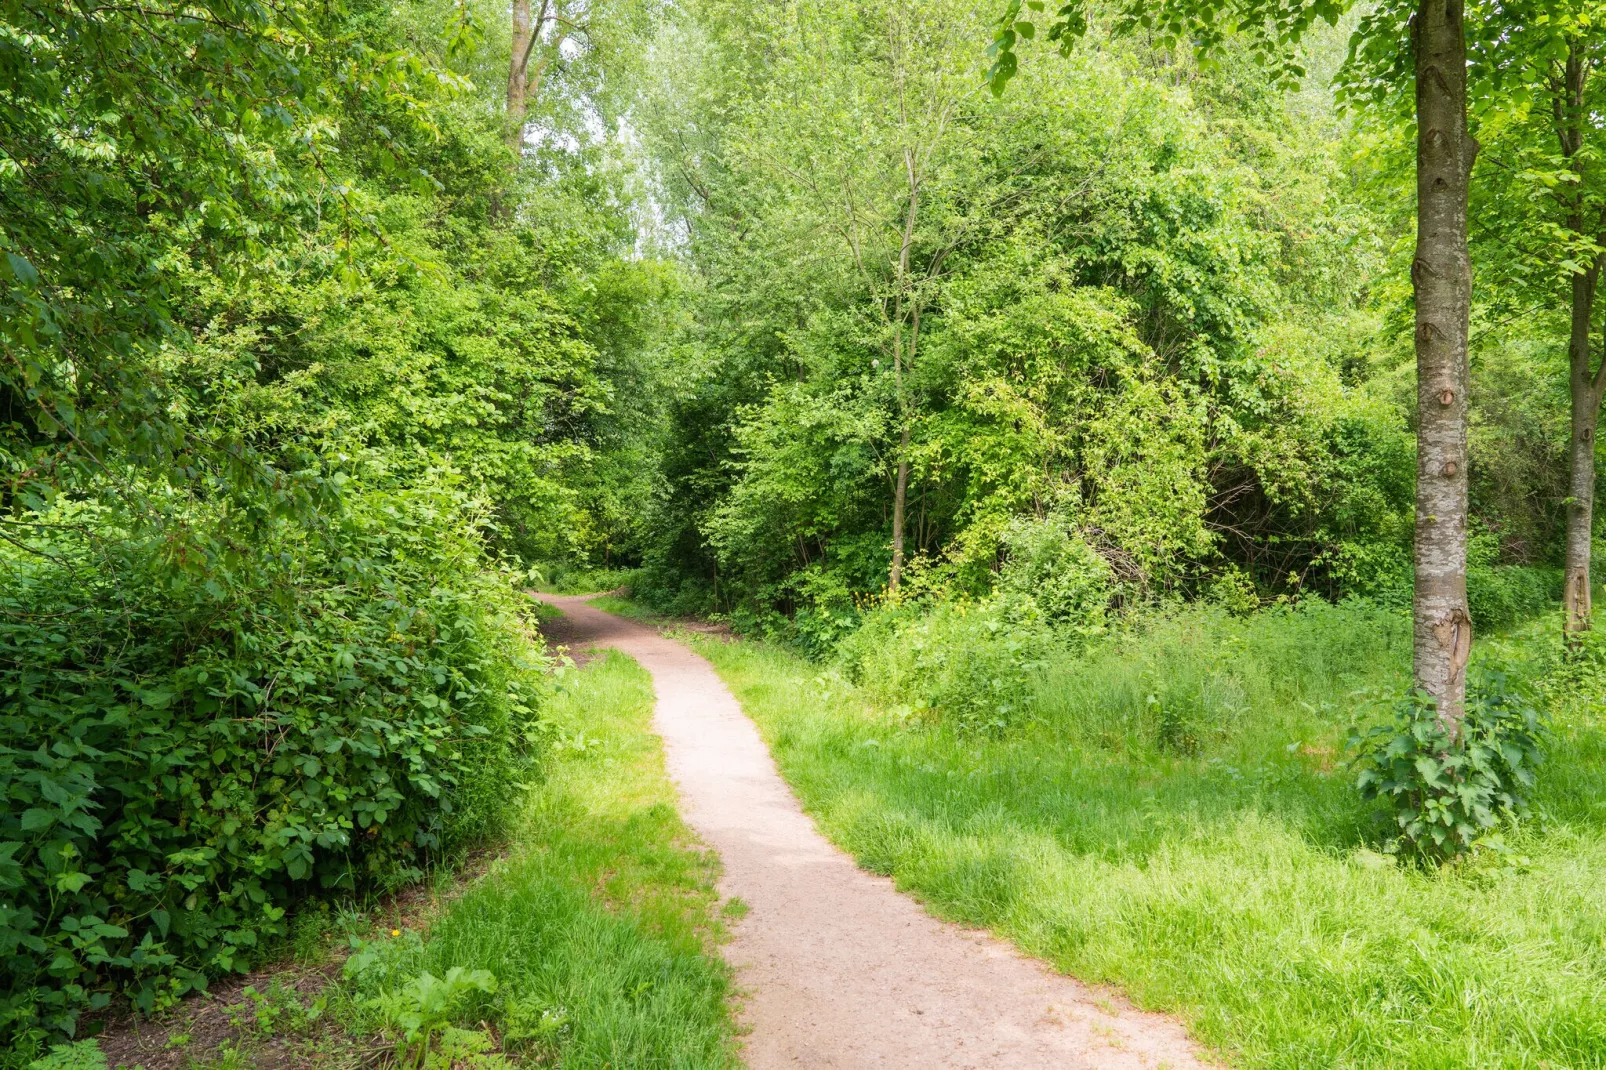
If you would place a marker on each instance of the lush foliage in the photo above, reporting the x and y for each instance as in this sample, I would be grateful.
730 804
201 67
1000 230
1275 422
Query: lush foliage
598 928
301 367
1155 307
1445 790
184 759
309 359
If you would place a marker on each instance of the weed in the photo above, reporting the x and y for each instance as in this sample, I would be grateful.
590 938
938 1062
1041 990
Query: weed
424 1006
78 1055
1445 791
277 1011
536 1027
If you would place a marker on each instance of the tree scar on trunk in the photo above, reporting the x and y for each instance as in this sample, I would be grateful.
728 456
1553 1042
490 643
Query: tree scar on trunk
1579 600
1453 631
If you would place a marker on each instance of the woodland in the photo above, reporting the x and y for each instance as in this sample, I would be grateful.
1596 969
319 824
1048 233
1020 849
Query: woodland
1146 451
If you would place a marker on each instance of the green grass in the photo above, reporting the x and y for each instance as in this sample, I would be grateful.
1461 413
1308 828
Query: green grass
560 578
1234 885
601 924
543 612
624 607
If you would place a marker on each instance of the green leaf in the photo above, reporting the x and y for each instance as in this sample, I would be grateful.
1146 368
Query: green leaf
34 819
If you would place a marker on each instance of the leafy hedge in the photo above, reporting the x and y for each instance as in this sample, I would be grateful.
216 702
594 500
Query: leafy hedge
186 750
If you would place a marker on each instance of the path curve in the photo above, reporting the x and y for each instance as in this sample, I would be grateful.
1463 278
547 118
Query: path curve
838 969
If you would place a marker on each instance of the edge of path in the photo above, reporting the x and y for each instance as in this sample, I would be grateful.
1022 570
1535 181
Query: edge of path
839 968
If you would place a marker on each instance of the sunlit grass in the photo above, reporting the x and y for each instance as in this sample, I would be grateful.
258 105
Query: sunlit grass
602 922
1236 886
624 607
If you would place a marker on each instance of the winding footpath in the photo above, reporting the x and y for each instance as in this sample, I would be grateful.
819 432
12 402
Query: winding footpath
837 968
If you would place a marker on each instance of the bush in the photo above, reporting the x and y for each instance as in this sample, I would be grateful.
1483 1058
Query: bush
1059 574
192 740
1500 596
964 663
1444 792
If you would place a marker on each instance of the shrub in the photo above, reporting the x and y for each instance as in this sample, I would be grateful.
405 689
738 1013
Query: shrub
964 663
1234 591
186 751
1500 596
1057 573
1443 792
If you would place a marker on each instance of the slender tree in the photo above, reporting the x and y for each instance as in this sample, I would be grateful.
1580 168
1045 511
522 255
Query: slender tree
1435 63
1544 201
879 132
527 68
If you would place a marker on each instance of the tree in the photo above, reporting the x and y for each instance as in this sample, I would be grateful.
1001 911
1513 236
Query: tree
1543 192
925 108
1130 303
526 69
862 148
1441 270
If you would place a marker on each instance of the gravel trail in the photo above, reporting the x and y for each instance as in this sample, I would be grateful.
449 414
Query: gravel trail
836 967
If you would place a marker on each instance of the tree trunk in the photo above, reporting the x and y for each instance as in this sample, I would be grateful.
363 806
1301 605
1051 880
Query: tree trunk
1586 397
900 497
1583 382
518 64
900 494
1441 276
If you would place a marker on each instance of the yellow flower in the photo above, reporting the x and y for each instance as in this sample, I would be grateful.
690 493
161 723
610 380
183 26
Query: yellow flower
395 932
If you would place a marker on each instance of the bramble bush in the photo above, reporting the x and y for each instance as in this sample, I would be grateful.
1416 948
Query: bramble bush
186 751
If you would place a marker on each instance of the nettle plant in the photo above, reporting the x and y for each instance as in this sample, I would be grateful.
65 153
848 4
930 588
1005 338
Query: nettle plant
1443 790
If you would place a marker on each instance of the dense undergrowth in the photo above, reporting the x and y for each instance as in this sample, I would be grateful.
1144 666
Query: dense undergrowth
308 353
589 940
1172 810
188 755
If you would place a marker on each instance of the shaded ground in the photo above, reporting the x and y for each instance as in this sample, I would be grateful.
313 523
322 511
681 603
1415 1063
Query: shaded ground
273 1018
229 1021
838 969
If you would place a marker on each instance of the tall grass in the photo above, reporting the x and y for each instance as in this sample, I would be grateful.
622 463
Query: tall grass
600 927
560 577
1231 879
1201 680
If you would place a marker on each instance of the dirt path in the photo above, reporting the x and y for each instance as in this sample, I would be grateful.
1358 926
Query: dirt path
839 969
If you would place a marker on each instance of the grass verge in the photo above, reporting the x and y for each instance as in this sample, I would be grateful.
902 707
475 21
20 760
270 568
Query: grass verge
1234 888
624 607
600 927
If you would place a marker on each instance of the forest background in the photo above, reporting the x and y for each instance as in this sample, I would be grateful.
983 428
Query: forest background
314 357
